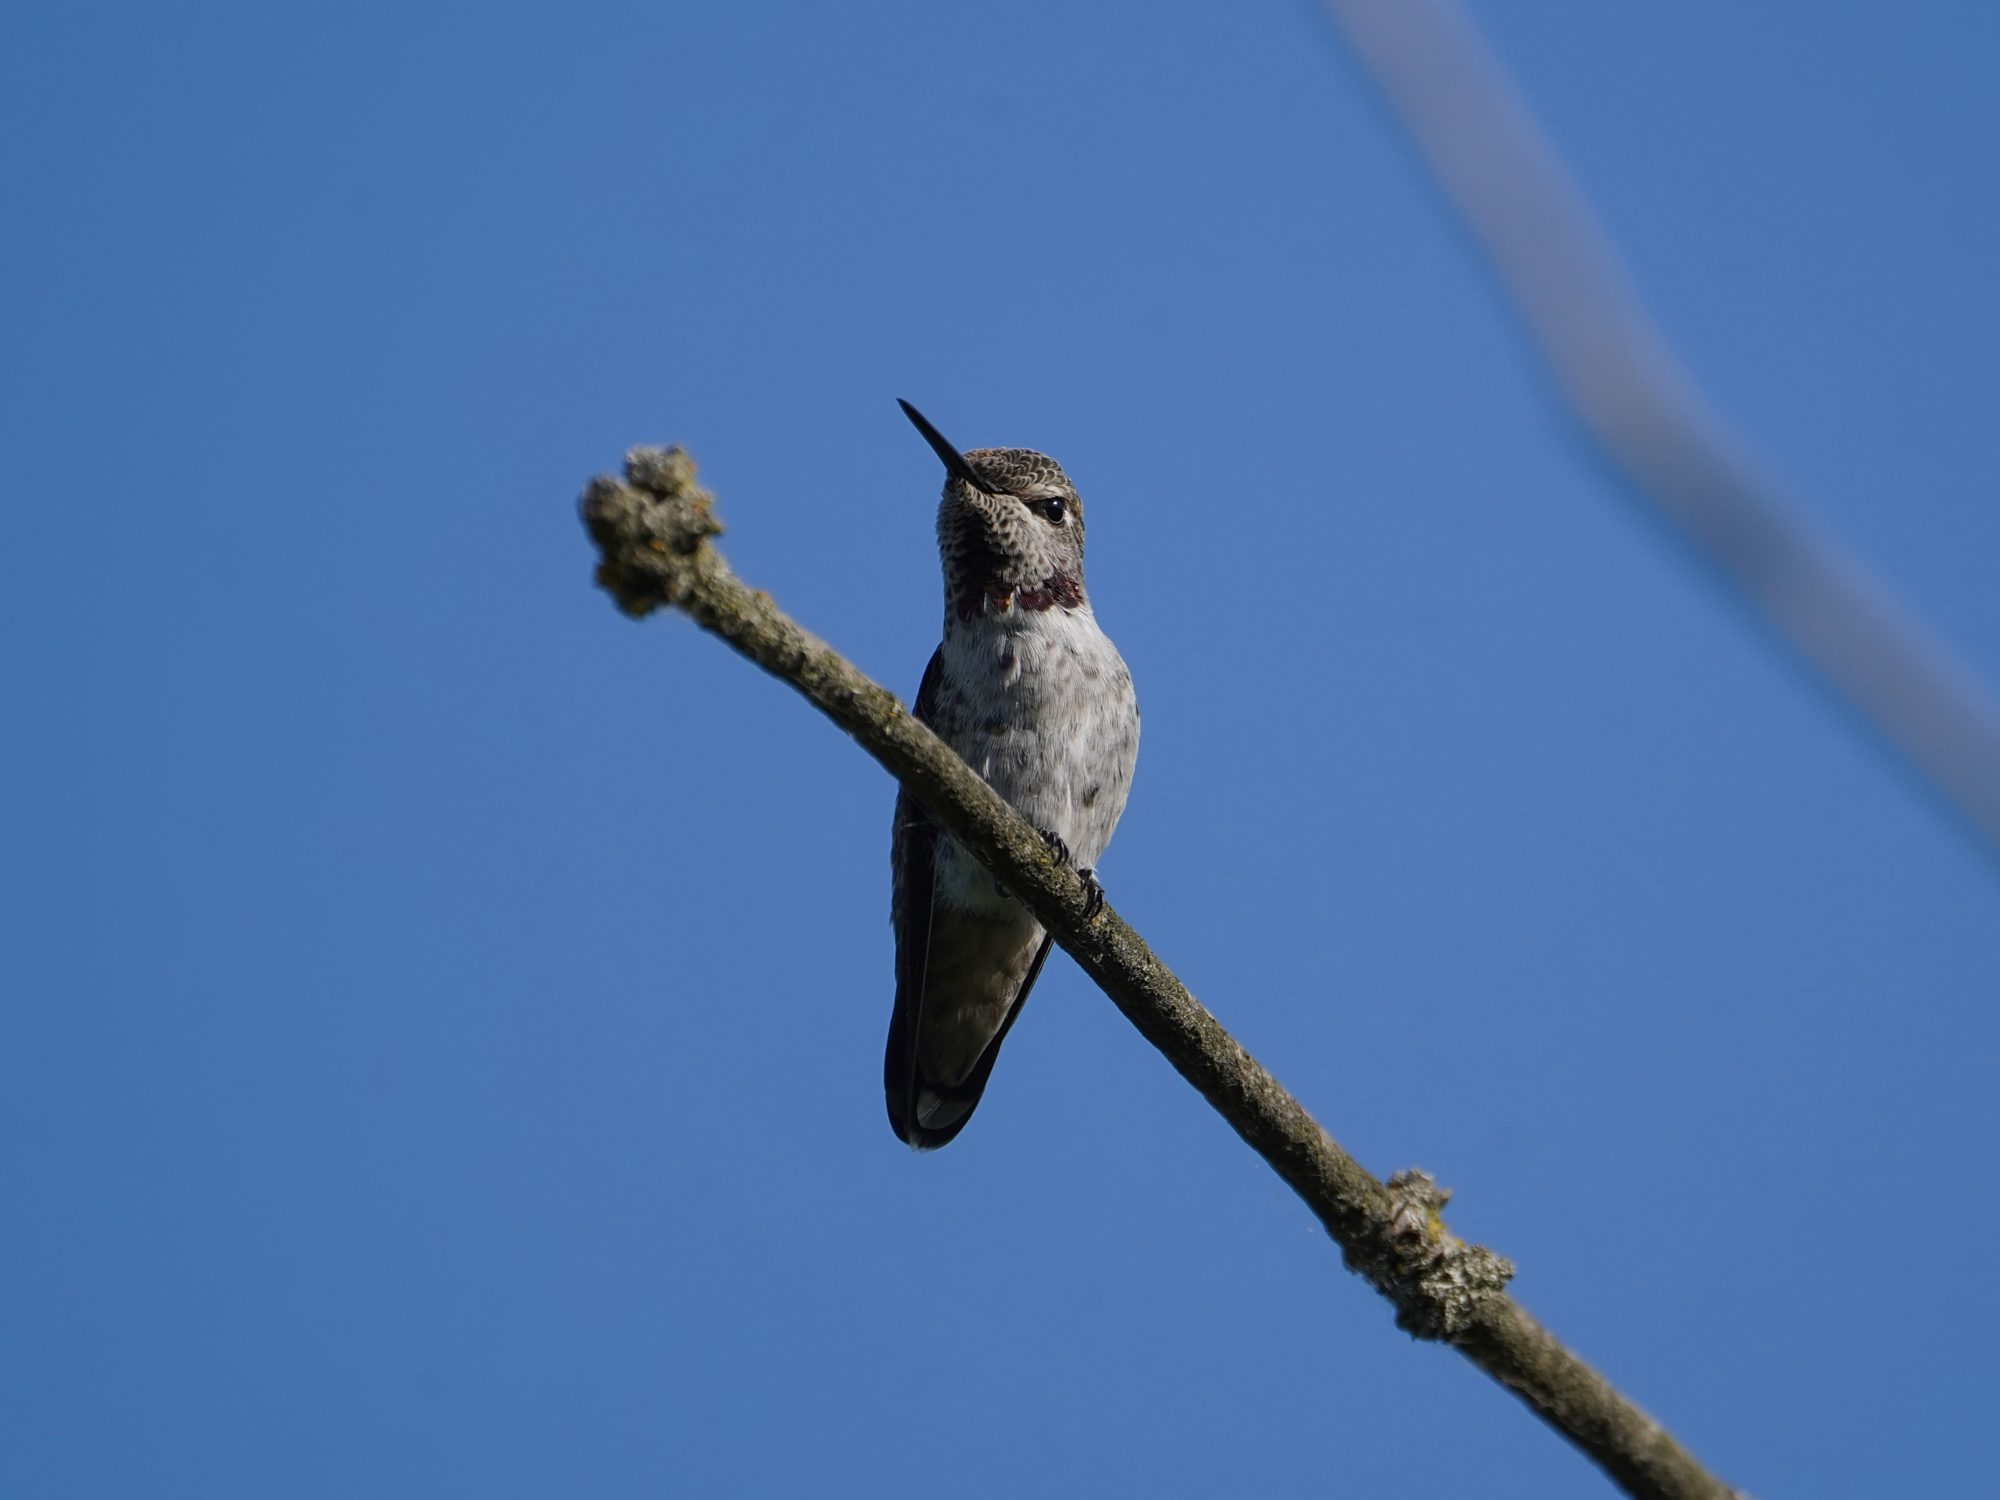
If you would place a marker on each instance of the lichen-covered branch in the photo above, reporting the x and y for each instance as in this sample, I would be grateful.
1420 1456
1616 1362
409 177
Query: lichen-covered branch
653 529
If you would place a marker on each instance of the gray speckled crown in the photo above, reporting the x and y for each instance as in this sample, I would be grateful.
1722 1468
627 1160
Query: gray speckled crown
1017 469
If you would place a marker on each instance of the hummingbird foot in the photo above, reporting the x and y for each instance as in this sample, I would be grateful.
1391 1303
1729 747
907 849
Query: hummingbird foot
1058 851
1093 894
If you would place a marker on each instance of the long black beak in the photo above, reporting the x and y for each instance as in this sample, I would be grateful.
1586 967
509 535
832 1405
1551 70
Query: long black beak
954 461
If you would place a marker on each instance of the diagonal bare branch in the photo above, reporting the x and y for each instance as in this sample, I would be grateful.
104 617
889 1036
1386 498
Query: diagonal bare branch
1623 386
653 530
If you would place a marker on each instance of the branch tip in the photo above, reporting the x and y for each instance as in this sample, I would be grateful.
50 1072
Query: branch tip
651 528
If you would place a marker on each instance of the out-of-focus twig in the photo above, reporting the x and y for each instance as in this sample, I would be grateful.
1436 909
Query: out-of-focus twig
1633 400
654 531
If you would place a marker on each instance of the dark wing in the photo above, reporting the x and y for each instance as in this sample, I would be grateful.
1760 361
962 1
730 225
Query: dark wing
927 1111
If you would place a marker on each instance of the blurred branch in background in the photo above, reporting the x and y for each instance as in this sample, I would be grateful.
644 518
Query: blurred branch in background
653 530
1636 404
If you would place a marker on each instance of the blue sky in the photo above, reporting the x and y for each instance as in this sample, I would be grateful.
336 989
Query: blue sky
442 1023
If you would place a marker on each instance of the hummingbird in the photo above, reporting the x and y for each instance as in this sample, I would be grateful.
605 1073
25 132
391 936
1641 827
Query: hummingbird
1035 698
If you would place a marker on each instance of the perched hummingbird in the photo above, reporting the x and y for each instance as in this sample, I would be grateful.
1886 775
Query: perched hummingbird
1036 699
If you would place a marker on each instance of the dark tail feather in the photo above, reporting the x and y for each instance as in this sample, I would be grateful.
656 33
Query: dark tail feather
927 1114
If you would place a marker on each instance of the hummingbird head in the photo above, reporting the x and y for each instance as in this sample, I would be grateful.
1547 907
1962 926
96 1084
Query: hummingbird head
1010 529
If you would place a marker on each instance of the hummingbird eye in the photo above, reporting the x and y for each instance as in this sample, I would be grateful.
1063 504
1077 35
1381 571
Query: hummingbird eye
1052 509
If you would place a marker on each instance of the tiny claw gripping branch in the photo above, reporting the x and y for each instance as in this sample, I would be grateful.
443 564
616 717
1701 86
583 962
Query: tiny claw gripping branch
1093 894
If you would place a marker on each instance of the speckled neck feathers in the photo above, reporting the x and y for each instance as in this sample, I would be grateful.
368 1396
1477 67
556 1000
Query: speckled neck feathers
1018 549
